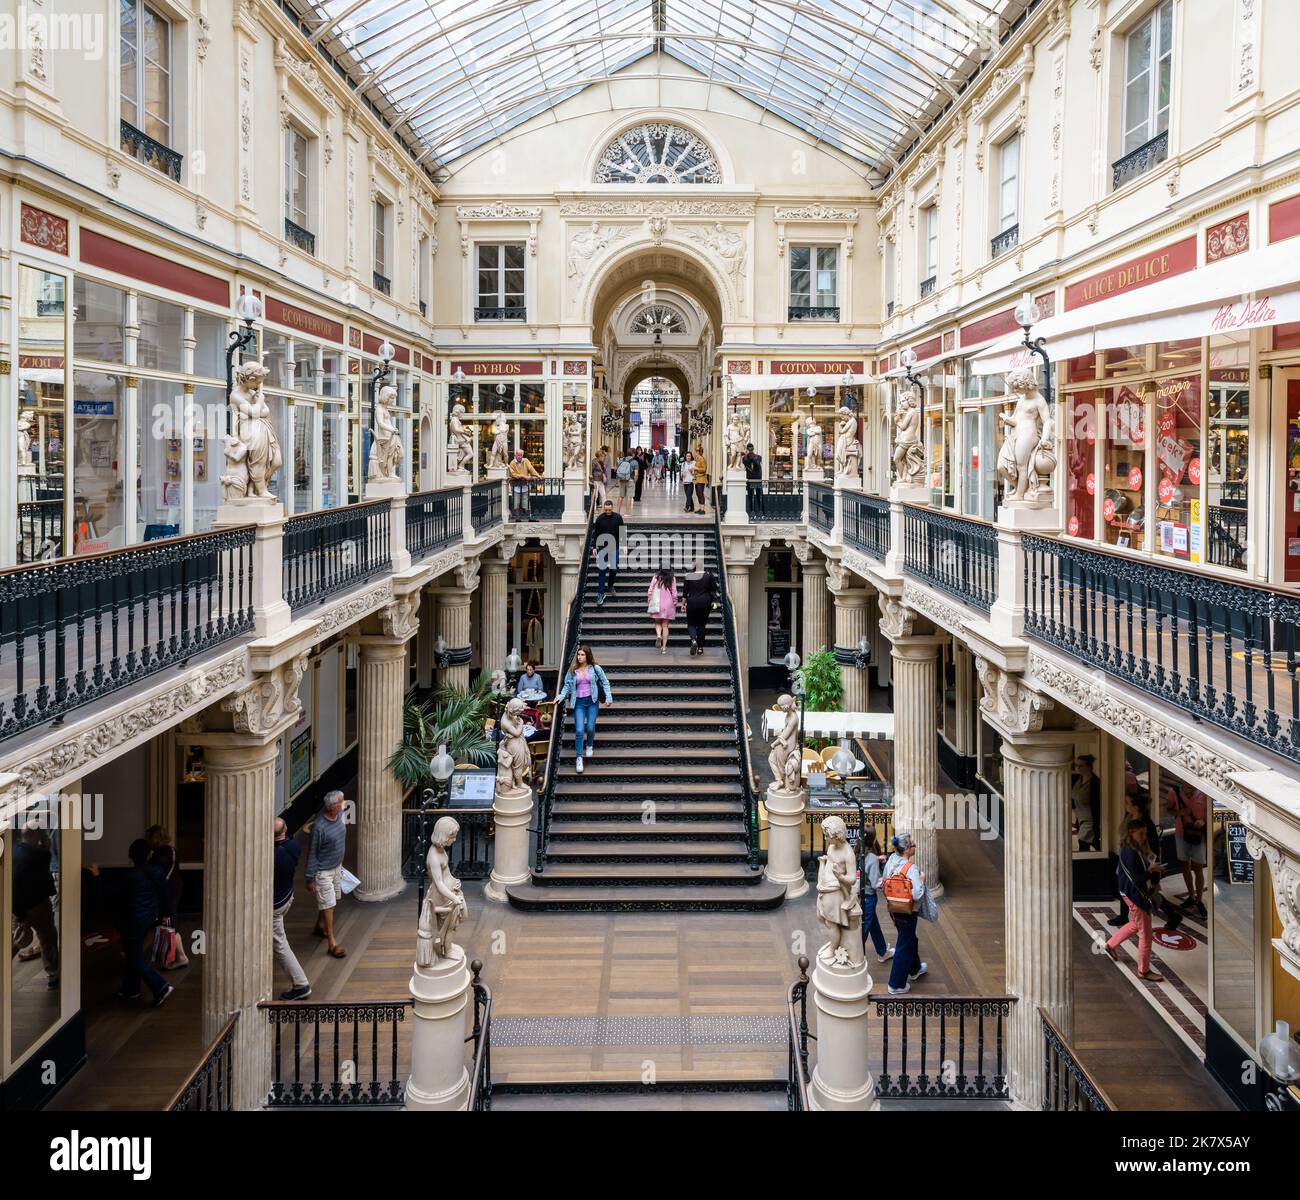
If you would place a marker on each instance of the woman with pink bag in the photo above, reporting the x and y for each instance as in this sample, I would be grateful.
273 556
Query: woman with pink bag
661 605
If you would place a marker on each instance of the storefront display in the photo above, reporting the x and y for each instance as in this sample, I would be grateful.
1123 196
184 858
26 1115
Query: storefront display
520 401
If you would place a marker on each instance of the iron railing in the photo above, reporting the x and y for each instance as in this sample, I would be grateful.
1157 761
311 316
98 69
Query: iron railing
211 1085
507 313
773 500
485 506
543 500
797 1077
1226 652
40 487
434 521
1140 161
335 549
813 312
304 239
338 1055
480 1076
958 555
40 530
927 286
866 523
383 284
1067 1085
77 629
1008 239
821 506
948 1046
139 144
1227 537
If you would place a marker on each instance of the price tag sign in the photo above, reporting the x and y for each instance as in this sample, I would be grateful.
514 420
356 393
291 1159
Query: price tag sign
1073 526
1135 478
1194 472
1108 509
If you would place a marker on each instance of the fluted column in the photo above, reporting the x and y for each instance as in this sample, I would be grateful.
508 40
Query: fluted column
738 590
568 589
814 607
492 614
916 760
453 626
381 685
850 628
1037 901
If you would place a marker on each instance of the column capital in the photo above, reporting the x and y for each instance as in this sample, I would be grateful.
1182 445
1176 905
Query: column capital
254 715
916 649
1048 749
1008 703
850 597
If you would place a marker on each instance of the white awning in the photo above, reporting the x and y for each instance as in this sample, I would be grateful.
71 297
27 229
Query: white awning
1246 291
776 383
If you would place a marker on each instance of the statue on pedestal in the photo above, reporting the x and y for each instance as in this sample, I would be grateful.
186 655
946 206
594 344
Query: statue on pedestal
460 450
812 437
575 442
499 454
839 900
25 464
737 439
848 449
386 445
252 449
909 456
444 905
1028 454
513 759
785 758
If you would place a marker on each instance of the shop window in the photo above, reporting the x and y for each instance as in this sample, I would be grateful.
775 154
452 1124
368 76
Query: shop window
990 756
1178 466
162 331
33 848
1148 72
40 432
1236 936
205 434
1227 458
275 358
211 335
1081 463
500 291
99 314
532 398
145 72
334 432
304 438
160 466
305 357
940 436
1123 507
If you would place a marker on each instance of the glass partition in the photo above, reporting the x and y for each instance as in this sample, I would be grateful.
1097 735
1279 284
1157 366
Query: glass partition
1235 934
32 850
42 413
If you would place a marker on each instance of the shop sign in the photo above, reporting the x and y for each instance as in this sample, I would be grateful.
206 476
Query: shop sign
817 366
1195 514
478 368
575 366
1250 314
987 328
292 317
40 362
1284 219
94 408
112 255
1136 273
1241 866
931 349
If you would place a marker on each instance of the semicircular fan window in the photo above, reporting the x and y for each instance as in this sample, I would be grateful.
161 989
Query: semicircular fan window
655 152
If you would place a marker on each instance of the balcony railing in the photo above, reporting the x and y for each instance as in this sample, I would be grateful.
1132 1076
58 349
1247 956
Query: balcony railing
480 1037
140 145
773 500
424 309
538 500
78 629
40 530
1226 652
813 312
821 506
1008 239
337 548
889 308
211 1085
1067 1085
866 523
955 554
513 313
797 1076
383 284
943 1046
304 239
1141 160
434 521
927 285
485 506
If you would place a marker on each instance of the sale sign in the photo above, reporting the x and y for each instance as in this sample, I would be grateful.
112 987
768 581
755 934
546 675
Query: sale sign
1135 478
1108 509
1194 472
1073 526
1166 490
1091 484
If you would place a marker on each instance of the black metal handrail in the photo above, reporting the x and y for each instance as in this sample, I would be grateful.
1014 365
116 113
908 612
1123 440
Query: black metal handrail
1226 652
813 312
211 1085
797 1077
434 520
330 1049
1140 161
866 523
821 506
304 239
77 629
730 632
773 500
480 1076
543 501
382 284
507 313
1008 239
334 549
1067 1084
40 530
45 487
485 506
949 1046
958 555
927 286
139 144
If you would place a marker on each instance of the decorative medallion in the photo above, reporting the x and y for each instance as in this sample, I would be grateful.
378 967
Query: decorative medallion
43 229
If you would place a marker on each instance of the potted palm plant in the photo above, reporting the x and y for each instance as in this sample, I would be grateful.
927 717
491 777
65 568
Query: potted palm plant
454 717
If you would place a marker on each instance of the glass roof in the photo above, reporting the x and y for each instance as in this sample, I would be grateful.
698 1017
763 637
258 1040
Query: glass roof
865 76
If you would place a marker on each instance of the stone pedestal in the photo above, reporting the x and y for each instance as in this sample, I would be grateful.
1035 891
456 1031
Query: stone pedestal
494 474
785 812
916 761
735 486
270 611
814 474
512 814
738 590
850 628
463 480
841 1080
381 684
492 614
395 491
575 490
1015 518
814 606
443 1006
900 495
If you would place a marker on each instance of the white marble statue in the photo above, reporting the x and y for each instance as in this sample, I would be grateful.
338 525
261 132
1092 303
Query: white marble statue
848 449
737 440
386 445
460 450
909 456
252 449
444 901
812 441
26 466
1028 454
513 759
499 454
785 757
575 442
839 900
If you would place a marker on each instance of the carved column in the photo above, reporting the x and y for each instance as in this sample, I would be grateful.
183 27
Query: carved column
492 614
453 628
568 589
850 627
814 606
381 685
1270 810
738 591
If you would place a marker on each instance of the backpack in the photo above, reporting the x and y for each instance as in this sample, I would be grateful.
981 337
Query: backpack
898 890
625 469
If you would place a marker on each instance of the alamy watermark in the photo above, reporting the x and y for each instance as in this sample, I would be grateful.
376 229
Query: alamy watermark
82 33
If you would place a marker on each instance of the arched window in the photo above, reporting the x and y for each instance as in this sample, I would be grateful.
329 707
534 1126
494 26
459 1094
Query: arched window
658 318
655 152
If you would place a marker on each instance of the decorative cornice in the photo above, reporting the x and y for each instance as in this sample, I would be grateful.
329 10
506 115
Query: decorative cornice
950 616
354 608
1007 702
817 212
305 72
499 211
657 208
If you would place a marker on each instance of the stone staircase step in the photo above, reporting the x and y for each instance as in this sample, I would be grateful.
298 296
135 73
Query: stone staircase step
634 738
619 874
673 854
675 897
677 812
593 769
700 791
631 829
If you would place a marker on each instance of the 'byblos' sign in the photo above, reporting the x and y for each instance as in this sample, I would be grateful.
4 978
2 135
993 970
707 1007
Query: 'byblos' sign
478 368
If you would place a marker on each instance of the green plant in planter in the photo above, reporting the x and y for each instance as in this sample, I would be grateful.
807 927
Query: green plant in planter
453 717
823 688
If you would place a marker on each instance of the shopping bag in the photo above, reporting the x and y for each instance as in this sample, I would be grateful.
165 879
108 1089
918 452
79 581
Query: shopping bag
347 881
166 948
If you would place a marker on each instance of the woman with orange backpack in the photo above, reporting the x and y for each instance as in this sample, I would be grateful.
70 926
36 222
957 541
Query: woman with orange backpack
907 899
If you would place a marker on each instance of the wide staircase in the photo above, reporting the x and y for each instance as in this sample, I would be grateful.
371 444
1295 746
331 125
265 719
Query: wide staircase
662 816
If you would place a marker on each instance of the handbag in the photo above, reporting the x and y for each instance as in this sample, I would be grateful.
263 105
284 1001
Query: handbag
347 881
652 606
166 947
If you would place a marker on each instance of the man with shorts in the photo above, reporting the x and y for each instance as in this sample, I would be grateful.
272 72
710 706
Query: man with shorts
329 836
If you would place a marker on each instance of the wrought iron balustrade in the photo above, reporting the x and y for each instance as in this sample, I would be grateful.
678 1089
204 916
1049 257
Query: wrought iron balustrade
772 500
424 309
1067 1085
1008 239
821 506
813 312
1147 156
77 629
480 1073
304 239
928 285
957 555
40 530
338 1055
542 501
889 308
139 144
334 549
40 487
382 283
866 523
485 506
509 313
1227 537
434 521
798 1075
211 1085
1223 651
943 1046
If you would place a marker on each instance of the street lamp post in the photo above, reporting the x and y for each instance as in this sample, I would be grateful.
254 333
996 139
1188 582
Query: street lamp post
1029 314
909 364
792 664
248 308
441 767
386 355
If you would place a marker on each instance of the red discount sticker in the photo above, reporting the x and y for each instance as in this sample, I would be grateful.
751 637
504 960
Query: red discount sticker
1135 478
1073 526
1108 509
1194 472
1091 485
1166 490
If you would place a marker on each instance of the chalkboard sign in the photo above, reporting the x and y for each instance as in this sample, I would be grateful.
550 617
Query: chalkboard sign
1241 867
778 644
